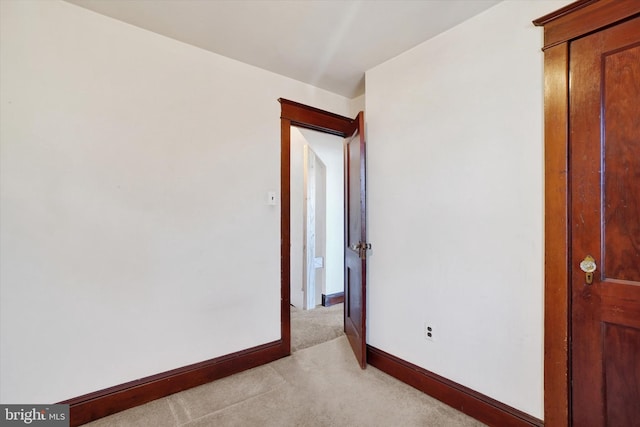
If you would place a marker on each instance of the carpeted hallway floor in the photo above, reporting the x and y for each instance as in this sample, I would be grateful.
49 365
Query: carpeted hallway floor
317 386
313 327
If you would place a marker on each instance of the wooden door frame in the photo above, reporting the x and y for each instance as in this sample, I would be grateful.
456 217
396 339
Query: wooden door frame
296 114
560 28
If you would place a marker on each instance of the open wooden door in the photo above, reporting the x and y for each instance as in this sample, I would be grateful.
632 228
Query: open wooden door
605 217
356 246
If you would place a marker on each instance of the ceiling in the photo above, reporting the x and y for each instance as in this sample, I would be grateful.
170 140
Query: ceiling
328 44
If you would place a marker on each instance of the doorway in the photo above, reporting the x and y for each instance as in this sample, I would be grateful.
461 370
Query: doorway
354 241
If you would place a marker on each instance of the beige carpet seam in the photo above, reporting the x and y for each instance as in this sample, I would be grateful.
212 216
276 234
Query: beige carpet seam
283 382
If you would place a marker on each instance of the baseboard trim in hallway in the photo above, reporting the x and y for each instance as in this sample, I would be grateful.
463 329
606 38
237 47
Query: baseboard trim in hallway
477 405
93 406
332 299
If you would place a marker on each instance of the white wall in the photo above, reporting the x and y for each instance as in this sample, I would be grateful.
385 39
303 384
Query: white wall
329 149
136 235
456 204
357 105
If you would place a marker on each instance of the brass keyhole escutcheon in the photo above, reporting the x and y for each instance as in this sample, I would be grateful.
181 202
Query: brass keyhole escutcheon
588 265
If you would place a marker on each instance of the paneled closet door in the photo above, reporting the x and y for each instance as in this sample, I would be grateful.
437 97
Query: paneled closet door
604 164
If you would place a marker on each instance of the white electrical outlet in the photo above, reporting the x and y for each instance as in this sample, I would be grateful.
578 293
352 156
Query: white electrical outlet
429 331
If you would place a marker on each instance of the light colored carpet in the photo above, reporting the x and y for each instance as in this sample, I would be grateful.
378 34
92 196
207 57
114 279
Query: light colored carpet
320 386
312 327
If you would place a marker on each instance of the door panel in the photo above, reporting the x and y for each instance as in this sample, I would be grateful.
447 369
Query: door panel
605 217
622 349
621 87
355 238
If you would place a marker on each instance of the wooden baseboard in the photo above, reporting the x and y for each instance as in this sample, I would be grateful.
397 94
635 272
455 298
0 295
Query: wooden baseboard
92 406
472 403
332 299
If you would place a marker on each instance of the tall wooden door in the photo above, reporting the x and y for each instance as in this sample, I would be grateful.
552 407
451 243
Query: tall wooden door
355 264
604 108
